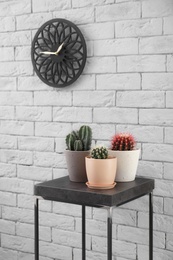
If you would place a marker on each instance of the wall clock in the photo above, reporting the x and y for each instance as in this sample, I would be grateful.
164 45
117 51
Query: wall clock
58 53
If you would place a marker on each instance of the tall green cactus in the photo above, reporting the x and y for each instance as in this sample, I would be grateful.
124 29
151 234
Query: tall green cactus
85 134
79 140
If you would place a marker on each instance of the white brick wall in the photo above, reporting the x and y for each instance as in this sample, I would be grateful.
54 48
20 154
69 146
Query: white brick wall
127 85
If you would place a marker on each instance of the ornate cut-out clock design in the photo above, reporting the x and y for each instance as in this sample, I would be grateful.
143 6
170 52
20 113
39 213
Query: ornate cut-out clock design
58 53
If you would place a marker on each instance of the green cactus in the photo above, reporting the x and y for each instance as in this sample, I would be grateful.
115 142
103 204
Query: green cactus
99 153
78 146
79 140
85 134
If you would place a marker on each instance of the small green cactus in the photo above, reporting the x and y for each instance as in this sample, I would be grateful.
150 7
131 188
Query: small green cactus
79 140
99 153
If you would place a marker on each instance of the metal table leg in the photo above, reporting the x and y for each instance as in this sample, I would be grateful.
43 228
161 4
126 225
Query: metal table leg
109 234
151 226
36 225
83 233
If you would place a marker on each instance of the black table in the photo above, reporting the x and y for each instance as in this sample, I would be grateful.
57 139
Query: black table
63 190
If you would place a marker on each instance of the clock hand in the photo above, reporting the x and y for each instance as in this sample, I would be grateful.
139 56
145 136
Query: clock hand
47 52
59 48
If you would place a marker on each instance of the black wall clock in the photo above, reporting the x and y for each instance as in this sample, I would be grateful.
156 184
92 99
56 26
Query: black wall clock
58 53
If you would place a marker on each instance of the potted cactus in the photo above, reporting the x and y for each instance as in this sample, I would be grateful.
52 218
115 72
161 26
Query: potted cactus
123 146
101 169
78 146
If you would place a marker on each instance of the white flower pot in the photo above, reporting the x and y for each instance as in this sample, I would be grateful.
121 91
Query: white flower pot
127 163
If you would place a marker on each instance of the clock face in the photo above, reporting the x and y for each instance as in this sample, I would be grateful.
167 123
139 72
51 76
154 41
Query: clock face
58 53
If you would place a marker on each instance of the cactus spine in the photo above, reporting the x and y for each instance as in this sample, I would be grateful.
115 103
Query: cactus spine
79 140
99 153
123 142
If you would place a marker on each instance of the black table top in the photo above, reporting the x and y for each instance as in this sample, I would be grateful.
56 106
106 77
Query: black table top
63 190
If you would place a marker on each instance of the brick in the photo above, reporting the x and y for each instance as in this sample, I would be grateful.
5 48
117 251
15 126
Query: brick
120 216
18 215
7 54
163 188
15 98
7 227
31 83
45 5
72 114
118 12
144 63
157 152
32 21
27 230
23 53
15 38
169 97
102 131
157 8
92 255
6 112
79 3
15 156
16 128
8 83
140 99
156 45
150 169
137 28
58 173
118 115
168 171
69 238
168 206
140 236
77 16
54 250
16 68
142 204
84 82
152 134
156 116
17 243
48 159
117 81
93 227
158 253
160 222
170 63
52 129
27 202
94 98
95 31
101 65
60 145
169 239
116 47
167 25
15 7
8 199
7 170
157 81
52 98
7 24
34 173
120 248
27 113
36 144
8 142
16 185
8 254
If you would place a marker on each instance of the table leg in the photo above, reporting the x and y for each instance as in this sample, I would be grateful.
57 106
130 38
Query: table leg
36 225
151 226
109 234
83 233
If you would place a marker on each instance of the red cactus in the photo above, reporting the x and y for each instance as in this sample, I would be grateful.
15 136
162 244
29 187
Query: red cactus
123 142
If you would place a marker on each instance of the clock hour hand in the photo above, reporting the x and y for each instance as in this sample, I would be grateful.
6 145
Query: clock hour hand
59 48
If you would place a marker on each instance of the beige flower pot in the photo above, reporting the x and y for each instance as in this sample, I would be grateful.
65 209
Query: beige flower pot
127 163
101 172
76 165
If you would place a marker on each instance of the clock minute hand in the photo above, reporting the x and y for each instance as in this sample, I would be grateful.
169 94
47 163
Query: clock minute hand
47 52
